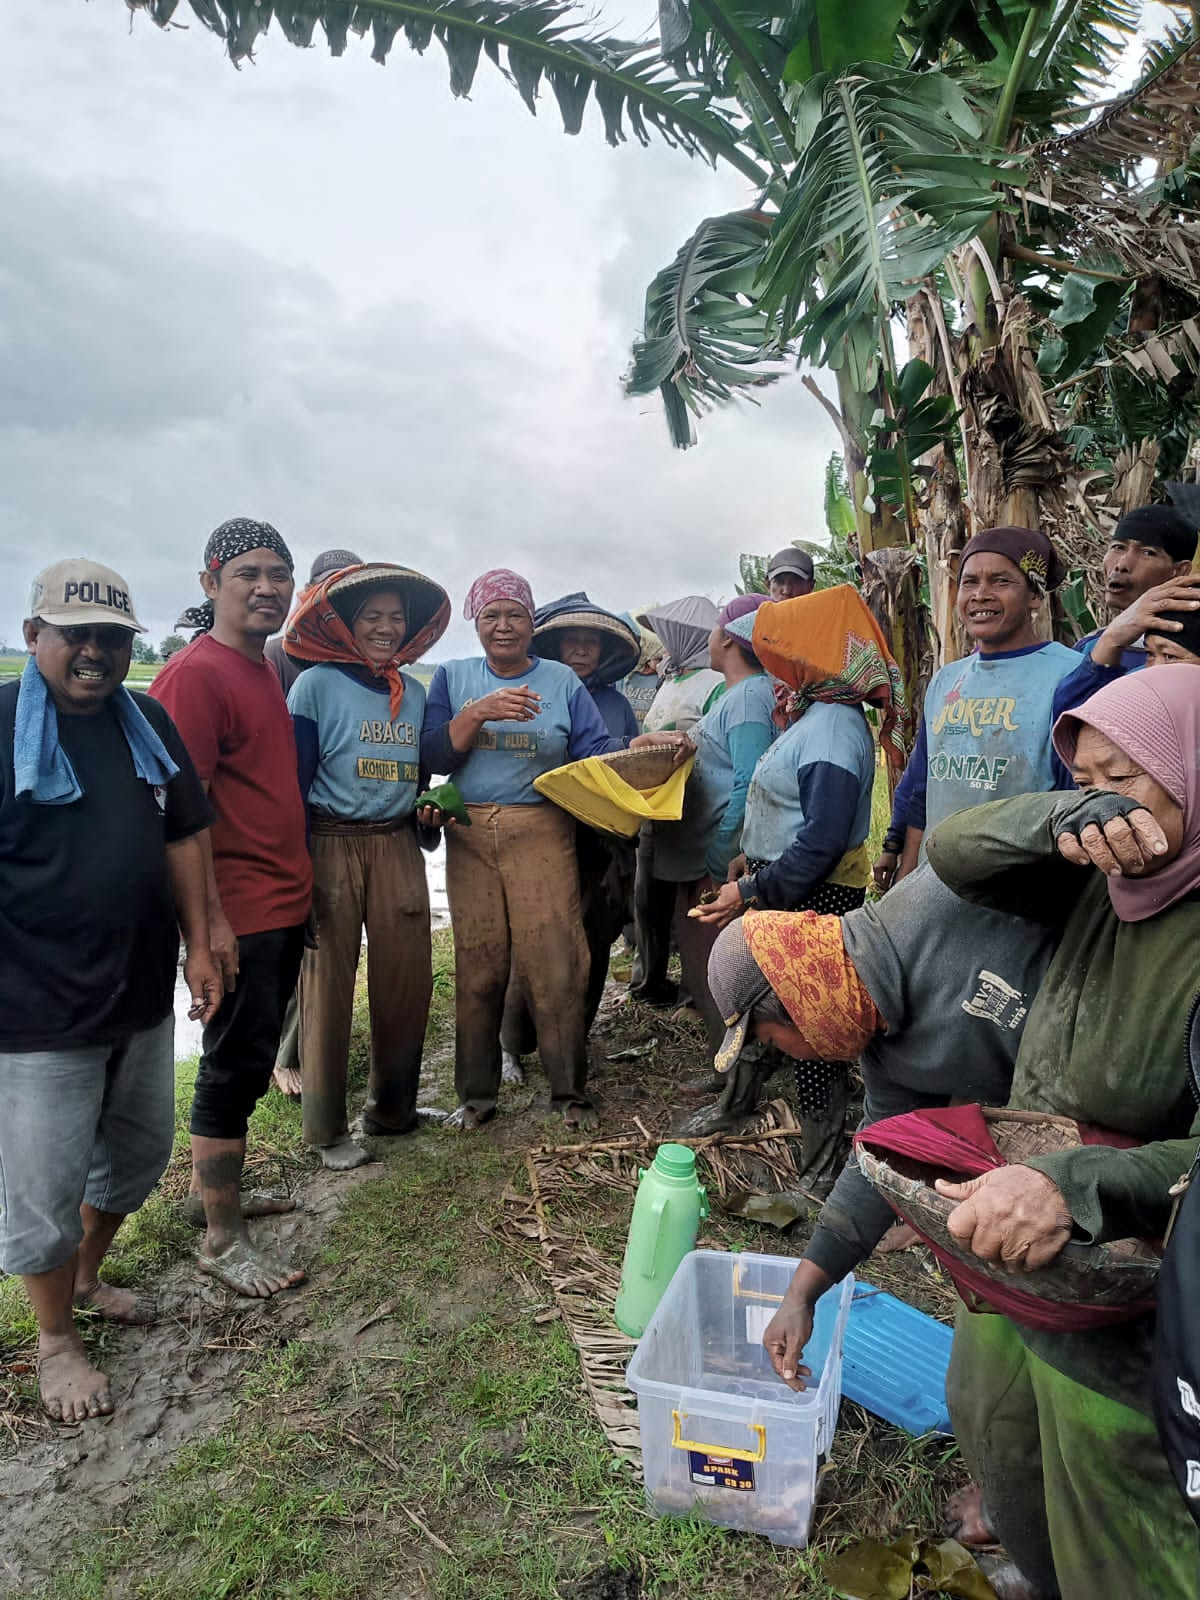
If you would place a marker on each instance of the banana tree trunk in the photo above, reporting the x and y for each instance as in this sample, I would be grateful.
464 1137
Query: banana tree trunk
891 571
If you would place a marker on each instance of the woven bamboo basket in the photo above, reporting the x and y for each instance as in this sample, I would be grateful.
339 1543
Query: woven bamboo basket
643 769
1122 1272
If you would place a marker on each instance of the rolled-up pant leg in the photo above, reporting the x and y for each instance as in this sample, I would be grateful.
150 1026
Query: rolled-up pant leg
241 1041
137 1121
541 888
482 947
92 1123
327 983
399 975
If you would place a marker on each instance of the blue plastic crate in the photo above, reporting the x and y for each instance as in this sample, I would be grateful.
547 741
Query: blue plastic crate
895 1361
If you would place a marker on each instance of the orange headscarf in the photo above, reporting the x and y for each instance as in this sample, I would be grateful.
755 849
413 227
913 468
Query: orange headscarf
827 646
317 630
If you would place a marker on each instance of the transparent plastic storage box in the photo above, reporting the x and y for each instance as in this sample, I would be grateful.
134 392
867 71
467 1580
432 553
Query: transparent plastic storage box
721 1434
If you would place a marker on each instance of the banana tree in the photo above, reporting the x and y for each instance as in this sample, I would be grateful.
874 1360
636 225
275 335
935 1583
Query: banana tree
951 175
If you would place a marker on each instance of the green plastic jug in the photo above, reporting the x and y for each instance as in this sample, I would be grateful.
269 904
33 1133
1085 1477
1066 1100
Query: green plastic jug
666 1215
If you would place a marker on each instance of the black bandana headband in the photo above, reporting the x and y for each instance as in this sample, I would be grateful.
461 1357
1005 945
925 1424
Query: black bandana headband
232 539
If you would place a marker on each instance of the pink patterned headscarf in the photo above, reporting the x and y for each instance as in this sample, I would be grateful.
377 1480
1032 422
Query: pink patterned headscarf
1154 717
498 584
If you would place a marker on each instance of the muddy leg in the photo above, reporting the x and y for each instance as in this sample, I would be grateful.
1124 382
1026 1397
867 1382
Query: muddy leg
72 1389
115 1305
227 1253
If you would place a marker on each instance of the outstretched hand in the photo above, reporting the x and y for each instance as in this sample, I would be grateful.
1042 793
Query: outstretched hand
1013 1216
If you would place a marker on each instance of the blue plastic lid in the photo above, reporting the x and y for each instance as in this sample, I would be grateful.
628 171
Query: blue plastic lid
895 1361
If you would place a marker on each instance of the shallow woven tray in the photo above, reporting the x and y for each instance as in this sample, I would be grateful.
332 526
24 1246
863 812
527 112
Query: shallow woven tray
643 769
1119 1273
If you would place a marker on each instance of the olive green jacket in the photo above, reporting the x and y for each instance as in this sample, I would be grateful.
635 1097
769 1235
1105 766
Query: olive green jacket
1105 1042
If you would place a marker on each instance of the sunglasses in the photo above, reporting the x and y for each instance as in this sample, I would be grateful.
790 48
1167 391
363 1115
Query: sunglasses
106 635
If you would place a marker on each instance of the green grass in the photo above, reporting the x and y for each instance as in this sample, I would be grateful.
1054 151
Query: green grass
431 1403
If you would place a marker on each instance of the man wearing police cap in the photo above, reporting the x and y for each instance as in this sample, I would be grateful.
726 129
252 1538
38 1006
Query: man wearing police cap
101 865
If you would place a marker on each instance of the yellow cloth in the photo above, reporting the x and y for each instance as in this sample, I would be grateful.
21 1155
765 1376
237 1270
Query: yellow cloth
593 792
853 871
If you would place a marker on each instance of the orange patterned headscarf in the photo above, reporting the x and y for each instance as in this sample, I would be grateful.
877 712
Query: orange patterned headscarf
318 630
827 646
803 956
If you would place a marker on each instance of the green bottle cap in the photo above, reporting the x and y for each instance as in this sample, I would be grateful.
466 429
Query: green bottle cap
676 1161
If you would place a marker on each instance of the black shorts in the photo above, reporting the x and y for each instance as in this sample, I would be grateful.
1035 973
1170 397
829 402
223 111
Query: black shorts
241 1041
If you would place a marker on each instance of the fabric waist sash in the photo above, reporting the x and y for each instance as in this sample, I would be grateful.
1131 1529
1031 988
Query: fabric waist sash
348 828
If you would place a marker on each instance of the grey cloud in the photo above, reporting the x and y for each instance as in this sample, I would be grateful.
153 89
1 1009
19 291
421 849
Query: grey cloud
323 293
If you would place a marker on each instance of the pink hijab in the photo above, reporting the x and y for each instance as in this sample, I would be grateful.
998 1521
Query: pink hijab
1154 716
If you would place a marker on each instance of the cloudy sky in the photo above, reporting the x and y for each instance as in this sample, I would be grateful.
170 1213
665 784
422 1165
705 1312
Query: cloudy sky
324 293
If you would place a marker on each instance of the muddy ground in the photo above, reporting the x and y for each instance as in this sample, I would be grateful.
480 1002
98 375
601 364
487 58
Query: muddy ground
414 1303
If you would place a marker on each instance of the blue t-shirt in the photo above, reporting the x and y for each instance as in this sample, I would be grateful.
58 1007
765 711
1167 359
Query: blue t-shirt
812 790
356 763
985 732
729 740
507 756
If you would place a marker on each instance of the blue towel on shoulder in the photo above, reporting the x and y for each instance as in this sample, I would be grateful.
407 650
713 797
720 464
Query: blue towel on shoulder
41 765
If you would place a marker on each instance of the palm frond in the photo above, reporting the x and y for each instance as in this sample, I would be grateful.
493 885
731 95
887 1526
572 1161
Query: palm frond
893 177
1077 59
705 340
532 42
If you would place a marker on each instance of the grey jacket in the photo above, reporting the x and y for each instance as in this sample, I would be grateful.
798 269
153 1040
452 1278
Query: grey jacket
954 983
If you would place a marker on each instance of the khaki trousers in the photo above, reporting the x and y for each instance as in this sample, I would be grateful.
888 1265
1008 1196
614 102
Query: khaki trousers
513 887
374 880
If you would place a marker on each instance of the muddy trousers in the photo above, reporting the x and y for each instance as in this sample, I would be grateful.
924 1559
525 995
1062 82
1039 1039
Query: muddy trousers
1076 1484
513 887
373 879
605 879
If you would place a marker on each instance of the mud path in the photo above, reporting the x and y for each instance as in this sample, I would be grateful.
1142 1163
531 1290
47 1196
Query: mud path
172 1382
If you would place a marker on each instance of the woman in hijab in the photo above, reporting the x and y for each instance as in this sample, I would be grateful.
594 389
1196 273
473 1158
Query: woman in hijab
1056 1427
640 684
808 812
694 854
688 687
495 723
358 719
599 648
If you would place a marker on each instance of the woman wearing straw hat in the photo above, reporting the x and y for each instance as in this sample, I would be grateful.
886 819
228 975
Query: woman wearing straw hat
599 648
358 720
496 722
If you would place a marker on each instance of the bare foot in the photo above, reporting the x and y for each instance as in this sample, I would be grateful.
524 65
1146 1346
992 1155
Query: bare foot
965 1519
466 1120
113 1304
255 1203
247 1270
511 1070
72 1389
287 1081
344 1156
898 1237
577 1116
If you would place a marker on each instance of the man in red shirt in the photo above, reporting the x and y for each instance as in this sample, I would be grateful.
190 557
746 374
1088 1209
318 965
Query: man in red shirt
227 703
